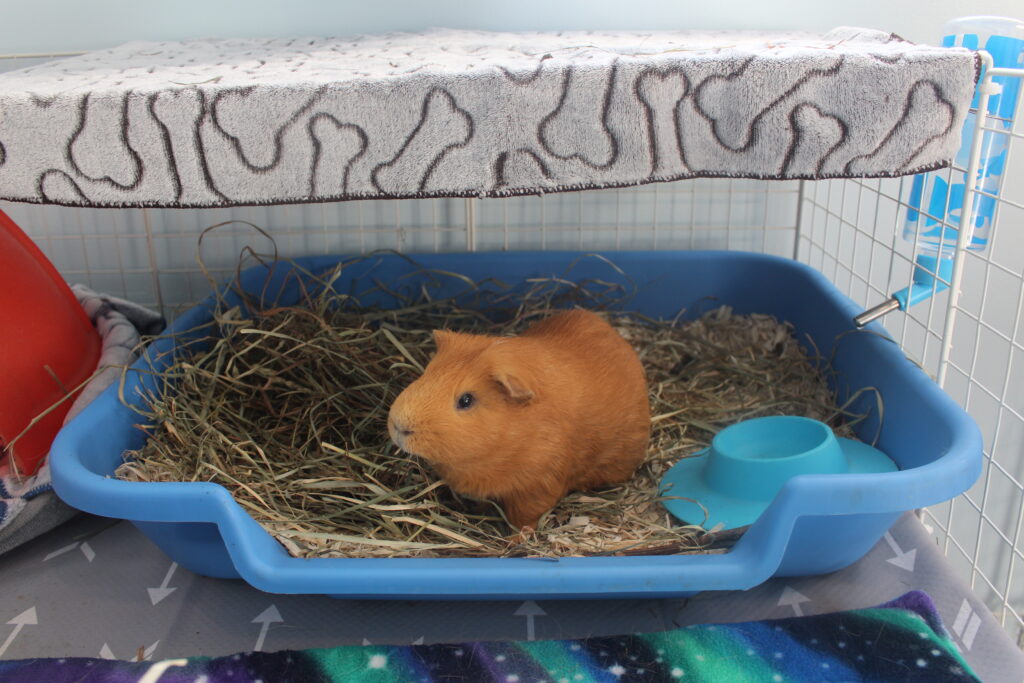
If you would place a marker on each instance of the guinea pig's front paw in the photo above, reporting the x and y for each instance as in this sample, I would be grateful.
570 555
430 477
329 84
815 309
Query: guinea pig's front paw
521 537
525 513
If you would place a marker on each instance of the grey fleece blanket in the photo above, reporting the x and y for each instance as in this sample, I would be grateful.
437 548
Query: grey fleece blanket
467 113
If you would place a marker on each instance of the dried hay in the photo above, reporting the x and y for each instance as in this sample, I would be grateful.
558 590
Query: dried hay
286 408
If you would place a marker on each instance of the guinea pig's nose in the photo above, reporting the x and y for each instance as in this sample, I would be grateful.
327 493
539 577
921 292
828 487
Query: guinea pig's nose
399 432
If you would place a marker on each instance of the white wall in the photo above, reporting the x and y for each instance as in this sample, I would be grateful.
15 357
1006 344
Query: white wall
63 25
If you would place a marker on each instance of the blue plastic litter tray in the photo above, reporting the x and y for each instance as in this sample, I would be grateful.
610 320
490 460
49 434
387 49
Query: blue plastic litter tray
816 523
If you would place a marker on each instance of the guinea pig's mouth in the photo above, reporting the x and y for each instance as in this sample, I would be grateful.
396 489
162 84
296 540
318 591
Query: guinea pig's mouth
400 436
404 447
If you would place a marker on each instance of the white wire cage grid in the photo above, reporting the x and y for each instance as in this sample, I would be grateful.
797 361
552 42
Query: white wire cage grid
970 337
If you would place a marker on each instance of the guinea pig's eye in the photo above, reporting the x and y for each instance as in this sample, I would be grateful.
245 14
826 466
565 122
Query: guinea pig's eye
465 401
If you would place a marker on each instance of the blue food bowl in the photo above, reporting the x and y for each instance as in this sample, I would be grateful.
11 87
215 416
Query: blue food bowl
733 482
816 523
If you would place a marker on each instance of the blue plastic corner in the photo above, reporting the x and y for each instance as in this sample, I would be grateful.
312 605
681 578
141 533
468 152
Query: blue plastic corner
932 275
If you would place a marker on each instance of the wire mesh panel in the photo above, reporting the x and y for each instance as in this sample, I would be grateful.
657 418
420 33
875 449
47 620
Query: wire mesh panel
853 232
705 213
152 255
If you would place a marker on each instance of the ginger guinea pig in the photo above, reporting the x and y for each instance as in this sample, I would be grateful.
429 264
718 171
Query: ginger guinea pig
524 420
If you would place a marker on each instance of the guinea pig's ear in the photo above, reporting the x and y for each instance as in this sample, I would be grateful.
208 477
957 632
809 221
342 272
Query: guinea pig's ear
442 338
512 387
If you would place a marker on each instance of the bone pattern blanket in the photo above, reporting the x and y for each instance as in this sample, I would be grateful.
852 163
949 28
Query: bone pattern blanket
467 113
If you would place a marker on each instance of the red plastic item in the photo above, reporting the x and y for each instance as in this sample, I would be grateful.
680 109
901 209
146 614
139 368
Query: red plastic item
47 346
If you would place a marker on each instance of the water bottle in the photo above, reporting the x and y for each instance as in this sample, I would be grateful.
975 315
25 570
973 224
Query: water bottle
932 201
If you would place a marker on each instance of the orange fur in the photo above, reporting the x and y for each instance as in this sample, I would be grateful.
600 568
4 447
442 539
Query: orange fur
562 407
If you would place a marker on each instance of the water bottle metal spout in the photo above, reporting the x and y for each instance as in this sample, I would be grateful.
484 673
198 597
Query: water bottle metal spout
876 312
932 274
